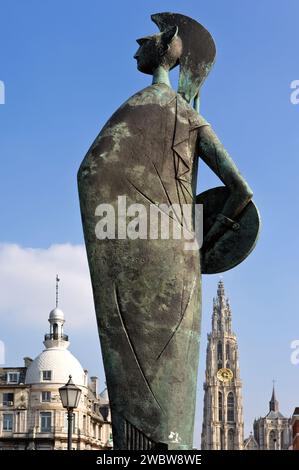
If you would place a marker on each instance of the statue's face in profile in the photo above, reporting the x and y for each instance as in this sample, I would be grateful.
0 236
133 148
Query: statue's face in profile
147 55
161 49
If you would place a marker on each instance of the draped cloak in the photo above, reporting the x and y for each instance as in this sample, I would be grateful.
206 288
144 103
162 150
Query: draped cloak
147 292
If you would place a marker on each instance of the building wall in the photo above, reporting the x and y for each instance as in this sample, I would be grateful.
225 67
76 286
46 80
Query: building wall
273 434
91 430
295 429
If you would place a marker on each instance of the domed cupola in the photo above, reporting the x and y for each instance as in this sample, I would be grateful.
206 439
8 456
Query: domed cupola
56 363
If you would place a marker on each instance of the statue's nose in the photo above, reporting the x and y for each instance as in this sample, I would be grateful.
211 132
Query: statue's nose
137 53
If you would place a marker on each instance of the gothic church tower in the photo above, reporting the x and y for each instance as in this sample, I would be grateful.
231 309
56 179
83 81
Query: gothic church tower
223 412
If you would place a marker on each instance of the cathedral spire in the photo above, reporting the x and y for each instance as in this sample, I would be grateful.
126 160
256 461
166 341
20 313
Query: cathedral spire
221 320
222 426
273 403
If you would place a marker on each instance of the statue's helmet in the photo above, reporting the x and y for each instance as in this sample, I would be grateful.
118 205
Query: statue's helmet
198 54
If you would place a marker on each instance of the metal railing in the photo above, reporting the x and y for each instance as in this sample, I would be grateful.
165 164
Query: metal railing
56 336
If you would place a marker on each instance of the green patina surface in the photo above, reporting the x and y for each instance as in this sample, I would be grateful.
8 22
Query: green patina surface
147 292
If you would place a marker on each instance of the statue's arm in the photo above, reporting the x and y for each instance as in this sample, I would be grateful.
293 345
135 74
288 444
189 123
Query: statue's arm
212 152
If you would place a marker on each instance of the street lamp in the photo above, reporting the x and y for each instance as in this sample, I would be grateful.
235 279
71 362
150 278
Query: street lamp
70 397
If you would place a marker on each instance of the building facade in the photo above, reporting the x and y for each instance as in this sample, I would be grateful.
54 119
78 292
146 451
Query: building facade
31 413
223 425
273 431
295 429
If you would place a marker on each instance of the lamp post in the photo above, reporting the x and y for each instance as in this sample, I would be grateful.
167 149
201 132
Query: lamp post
70 396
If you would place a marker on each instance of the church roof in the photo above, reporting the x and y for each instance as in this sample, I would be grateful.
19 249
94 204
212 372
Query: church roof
274 412
250 442
273 403
274 415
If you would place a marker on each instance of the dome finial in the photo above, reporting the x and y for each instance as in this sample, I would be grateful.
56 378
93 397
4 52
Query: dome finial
57 290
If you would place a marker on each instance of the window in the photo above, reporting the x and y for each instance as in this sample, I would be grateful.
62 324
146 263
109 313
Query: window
230 439
13 377
282 446
45 421
47 375
272 440
8 399
228 355
219 354
7 422
46 396
221 439
227 351
230 407
66 422
220 406
55 331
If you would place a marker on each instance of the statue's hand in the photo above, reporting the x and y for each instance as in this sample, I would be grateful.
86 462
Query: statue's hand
220 226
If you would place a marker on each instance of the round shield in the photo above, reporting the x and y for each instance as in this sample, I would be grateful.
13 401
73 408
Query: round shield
237 242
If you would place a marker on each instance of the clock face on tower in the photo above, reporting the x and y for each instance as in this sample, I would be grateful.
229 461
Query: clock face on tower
225 375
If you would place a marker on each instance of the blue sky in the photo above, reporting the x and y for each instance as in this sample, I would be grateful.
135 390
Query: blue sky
67 66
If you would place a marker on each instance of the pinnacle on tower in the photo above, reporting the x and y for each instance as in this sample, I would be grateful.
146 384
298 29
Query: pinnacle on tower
220 290
221 320
273 403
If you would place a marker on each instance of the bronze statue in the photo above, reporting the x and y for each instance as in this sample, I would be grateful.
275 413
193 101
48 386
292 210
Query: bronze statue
147 291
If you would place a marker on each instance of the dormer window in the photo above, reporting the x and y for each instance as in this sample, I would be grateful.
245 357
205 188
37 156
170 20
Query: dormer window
46 375
13 377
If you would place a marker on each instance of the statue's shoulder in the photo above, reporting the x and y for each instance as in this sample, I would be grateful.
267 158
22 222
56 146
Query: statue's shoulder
157 94
163 96
195 119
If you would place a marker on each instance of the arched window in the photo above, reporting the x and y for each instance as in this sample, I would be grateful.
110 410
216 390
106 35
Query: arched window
219 354
221 439
220 406
230 440
227 352
282 441
230 407
272 440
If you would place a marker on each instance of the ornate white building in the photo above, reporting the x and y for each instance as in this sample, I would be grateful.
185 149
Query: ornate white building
274 431
31 413
222 427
